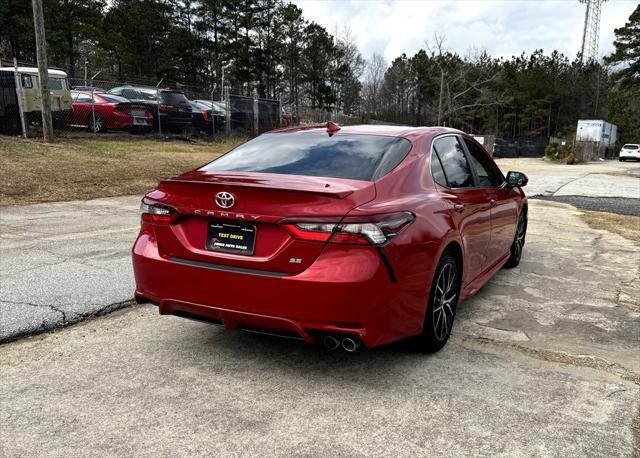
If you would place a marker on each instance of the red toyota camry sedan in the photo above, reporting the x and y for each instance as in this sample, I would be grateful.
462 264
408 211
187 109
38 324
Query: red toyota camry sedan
344 236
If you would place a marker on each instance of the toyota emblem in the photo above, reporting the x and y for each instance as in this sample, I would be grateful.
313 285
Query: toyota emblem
225 199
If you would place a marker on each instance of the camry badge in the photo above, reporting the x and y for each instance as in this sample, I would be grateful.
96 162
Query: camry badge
225 199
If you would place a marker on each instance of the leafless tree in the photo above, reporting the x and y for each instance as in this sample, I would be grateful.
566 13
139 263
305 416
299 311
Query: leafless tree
374 72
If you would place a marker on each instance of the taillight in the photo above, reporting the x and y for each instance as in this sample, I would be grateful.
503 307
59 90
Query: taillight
205 115
168 108
152 212
357 230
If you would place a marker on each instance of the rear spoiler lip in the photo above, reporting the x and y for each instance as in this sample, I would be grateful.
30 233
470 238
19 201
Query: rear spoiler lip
315 185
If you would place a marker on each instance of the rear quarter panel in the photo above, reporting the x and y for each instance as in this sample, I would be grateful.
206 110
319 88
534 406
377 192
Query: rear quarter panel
414 253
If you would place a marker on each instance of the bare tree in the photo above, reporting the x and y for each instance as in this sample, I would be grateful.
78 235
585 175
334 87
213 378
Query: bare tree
374 72
464 83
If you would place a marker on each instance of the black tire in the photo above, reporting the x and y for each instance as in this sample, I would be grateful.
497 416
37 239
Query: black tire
518 242
441 309
98 125
620 159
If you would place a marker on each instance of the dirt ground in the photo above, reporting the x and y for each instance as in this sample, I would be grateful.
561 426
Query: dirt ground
624 225
84 168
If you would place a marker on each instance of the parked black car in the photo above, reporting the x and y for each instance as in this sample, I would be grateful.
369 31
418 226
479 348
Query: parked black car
204 116
173 109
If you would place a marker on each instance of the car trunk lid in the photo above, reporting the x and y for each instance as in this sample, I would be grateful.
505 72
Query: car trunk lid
260 202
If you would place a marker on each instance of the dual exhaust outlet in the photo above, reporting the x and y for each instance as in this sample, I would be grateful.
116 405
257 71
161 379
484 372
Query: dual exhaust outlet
348 344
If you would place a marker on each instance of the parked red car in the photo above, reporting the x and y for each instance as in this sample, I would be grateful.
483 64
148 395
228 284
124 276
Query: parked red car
363 234
112 112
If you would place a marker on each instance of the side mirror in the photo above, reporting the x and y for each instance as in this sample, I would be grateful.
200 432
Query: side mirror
517 179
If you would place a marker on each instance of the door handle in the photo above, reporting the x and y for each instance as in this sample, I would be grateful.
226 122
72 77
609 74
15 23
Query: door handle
458 207
492 202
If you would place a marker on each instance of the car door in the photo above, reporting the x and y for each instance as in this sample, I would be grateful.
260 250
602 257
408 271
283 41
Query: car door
81 109
469 205
504 203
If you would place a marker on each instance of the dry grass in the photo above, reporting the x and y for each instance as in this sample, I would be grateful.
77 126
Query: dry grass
86 168
624 225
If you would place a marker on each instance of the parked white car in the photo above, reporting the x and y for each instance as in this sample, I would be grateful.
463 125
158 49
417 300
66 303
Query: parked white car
630 151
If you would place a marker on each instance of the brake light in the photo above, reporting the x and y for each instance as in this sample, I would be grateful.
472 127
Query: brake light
155 213
367 230
168 108
204 115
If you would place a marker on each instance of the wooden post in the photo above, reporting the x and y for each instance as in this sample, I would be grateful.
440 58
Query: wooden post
43 70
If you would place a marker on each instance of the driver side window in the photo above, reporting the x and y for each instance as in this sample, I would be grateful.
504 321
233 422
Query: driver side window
488 173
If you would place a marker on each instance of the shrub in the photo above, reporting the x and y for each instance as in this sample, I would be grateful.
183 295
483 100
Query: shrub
556 152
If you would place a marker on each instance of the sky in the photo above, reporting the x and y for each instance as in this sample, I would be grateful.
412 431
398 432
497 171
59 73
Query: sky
501 27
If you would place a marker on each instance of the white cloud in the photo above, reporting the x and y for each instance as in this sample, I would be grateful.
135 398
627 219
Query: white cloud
503 28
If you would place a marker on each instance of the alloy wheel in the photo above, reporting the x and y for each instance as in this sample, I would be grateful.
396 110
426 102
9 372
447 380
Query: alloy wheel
520 234
444 300
95 124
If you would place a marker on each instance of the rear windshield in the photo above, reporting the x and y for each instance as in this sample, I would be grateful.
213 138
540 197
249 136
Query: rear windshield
631 146
113 98
139 94
355 157
173 98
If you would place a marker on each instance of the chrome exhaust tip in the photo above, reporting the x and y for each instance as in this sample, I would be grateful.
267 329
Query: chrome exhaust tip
350 344
330 343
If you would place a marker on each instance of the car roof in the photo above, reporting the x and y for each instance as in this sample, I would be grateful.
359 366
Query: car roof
408 132
147 88
33 70
100 94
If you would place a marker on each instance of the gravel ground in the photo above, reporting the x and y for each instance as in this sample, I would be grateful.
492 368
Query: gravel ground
619 205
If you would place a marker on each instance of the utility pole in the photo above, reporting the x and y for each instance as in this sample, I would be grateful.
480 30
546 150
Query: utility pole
43 70
440 98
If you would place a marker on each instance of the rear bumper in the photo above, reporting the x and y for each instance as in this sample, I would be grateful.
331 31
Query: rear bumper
629 155
347 290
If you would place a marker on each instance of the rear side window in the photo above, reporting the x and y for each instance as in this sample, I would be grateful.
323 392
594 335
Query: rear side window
436 170
454 162
355 157
79 97
488 173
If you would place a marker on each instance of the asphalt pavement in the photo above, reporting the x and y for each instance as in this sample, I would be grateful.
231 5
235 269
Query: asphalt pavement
619 205
62 262
542 362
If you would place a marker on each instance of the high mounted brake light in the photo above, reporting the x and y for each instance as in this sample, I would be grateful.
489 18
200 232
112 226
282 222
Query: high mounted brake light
155 213
357 230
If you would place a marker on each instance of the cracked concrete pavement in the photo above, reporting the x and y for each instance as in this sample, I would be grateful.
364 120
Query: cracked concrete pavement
543 361
61 262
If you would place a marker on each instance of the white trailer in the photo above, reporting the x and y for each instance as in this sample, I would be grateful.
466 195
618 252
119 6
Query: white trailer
596 139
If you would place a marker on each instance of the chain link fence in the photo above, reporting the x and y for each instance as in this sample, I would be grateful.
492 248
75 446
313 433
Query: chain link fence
100 106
